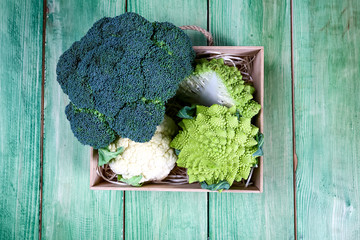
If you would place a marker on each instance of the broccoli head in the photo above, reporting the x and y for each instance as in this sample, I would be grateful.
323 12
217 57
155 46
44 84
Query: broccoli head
216 146
124 69
213 82
86 124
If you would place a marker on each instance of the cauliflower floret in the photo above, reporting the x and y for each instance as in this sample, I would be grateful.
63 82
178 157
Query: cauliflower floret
153 160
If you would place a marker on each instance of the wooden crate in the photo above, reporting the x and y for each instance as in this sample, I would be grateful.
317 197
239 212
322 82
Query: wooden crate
97 183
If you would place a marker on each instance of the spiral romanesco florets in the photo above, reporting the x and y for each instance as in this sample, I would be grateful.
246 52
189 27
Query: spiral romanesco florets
216 146
152 160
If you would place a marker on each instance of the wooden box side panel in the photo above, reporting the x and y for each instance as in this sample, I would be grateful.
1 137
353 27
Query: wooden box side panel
97 183
258 76
193 187
94 178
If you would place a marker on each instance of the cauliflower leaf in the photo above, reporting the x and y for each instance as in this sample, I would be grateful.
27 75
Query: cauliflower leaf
133 181
105 155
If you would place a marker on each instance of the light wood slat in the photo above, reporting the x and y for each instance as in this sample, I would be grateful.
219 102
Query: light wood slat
268 215
20 100
70 209
168 215
327 86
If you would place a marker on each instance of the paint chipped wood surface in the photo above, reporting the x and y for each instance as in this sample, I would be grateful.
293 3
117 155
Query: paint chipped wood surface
269 215
327 86
20 100
70 209
326 68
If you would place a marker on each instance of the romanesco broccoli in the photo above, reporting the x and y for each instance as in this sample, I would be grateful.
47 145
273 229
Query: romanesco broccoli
213 82
215 145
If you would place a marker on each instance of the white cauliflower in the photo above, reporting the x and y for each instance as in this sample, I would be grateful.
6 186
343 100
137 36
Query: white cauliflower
153 160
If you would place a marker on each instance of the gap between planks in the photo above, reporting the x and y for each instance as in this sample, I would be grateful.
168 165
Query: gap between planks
208 194
42 113
124 205
295 160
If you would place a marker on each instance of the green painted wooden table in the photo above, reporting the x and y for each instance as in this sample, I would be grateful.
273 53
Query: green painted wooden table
312 107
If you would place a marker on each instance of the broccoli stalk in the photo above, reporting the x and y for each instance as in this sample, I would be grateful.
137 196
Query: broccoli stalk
124 69
213 82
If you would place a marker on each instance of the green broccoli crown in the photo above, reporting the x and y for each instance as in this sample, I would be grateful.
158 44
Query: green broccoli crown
89 126
120 62
216 145
213 82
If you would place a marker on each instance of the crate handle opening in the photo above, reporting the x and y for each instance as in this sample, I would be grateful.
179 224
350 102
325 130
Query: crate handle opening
200 29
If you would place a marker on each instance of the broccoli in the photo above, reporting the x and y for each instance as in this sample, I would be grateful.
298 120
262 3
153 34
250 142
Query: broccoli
216 146
88 123
120 75
213 82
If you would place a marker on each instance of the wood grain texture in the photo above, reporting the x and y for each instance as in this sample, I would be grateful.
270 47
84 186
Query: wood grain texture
327 86
159 215
168 215
20 99
177 12
268 215
70 209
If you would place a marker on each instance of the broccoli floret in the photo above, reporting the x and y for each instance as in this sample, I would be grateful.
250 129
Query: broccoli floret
215 146
87 123
125 68
141 115
213 82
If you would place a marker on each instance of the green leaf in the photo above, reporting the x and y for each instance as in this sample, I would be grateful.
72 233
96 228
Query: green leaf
105 155
260 139
220 186
238 114
177 152
187 112
258 153
133 181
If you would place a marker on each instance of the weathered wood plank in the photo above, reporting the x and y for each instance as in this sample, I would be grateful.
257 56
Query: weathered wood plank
268 215
168 215
177 12
161 215
327 107
20 100
70 209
